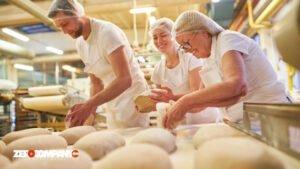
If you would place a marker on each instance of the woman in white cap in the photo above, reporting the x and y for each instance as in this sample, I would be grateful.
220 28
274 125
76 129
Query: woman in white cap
235 69
177 72
116 78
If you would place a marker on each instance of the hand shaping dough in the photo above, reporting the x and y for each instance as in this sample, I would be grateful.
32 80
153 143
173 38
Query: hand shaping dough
98 144
144 103
42 142
4 161
234 153
212 131
83 161
24 133
156 136
136 156
162 109
75 133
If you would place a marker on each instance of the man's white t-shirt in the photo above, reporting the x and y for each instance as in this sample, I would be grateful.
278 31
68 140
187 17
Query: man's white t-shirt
105 38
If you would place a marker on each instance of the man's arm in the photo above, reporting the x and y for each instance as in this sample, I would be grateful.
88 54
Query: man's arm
123 81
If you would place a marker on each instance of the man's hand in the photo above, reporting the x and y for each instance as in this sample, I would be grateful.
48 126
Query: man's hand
79 113
175 113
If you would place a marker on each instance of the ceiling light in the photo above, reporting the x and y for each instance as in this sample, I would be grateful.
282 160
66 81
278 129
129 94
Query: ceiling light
54 50
142 10
23 67
15 34
69 68
215 1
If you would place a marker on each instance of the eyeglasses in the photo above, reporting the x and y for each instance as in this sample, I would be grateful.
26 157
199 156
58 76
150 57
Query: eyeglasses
186 46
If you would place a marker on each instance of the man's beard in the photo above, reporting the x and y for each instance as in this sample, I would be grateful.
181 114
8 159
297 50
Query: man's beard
78 33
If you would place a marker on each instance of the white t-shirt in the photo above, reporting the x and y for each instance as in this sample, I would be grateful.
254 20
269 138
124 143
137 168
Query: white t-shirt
176 78
105 38
263 85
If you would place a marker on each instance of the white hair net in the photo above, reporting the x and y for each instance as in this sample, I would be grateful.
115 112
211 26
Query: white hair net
194 21
162 23
71 8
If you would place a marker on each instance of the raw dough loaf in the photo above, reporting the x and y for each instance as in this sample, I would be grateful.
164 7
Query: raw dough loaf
156 136
144 103
2 145
212 131
235 153
136 156
75 133
42 142
83 161
98 144
8 138
4 161
162 109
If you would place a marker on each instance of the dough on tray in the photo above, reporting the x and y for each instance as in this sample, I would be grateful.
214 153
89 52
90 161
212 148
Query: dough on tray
156 136
98 144
75 133
212 131
136 156
235 153
10 137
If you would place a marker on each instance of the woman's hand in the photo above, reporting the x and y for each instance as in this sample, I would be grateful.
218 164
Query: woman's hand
79 113
162 95
175 113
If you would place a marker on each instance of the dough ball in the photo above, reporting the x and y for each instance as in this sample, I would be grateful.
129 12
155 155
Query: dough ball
83 161
156 136
2 145
136 156
235 153
4 161
42 142
144 103
212 131
98 144
75 133
8 138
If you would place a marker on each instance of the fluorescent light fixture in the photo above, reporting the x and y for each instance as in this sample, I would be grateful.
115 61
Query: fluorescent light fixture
69 68
15 34
215 1
152 20
148 66
54 50
23 67
142 10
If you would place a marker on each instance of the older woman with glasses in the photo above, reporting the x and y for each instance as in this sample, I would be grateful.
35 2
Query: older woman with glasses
177 72
235 70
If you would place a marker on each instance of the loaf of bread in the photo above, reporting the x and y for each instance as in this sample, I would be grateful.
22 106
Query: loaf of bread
2 146
235 152
156 136
75 133
8 138
98 144
83 161
42 142
136 156
4 161
144 103
213 131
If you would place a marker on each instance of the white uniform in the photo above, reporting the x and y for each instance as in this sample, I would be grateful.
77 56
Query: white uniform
177 79
263 85
105 38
